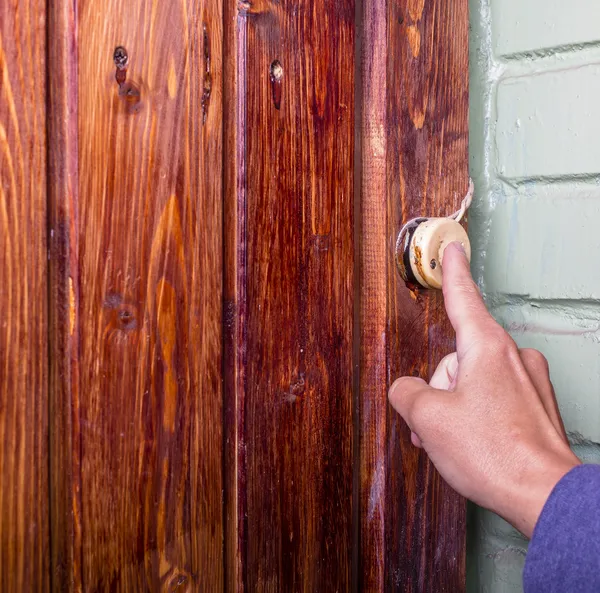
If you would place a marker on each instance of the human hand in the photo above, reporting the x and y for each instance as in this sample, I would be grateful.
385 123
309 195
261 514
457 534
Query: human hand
488 419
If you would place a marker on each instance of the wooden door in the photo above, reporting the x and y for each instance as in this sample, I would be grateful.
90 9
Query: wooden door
199 201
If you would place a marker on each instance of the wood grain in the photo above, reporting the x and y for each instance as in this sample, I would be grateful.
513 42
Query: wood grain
24 512
65 446
234 294
414 132
373 314
203 309
292 319
148 418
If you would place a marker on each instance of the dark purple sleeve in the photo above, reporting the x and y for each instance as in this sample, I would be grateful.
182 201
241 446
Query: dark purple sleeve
564 553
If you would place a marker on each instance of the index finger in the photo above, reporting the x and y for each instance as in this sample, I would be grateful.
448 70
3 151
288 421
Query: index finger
465 307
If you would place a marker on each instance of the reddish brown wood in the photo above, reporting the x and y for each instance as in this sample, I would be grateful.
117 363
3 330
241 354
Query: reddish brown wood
373 253
136 285
291 393
234 293
412 523
65 446
24 509
208 168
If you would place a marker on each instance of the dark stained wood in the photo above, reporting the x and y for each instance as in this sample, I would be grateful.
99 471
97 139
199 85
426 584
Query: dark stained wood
412 523
234 293
64 406
373 253
24 512
290 393
147 251
194 329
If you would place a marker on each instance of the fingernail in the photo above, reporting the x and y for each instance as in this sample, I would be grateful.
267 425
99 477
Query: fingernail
460 247
452 368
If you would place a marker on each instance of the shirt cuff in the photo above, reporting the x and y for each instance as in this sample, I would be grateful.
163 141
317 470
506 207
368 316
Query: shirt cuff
564 553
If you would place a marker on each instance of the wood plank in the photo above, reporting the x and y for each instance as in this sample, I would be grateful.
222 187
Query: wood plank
427 171
24 512
150 171
65 449
373 253
292 391
234 293
412 523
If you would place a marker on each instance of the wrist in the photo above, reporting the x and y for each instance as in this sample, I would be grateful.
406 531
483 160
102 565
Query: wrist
522 502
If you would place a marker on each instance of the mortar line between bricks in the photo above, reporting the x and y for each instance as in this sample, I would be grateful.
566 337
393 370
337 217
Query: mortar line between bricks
546 53
504 298
583 313
591 179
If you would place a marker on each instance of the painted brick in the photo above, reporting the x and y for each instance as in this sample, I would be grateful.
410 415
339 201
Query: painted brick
534 229
497 556
588 451
545 243
528 25
572 346
548 125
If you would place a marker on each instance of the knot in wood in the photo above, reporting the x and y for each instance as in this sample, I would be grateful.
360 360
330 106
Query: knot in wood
121 57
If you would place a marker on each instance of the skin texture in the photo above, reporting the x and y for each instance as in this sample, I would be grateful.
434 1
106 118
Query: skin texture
488 419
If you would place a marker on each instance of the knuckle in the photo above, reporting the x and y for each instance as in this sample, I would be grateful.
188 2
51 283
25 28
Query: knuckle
405 384
534 358
403 391
499 342
467 288
490 330
499 334
422 412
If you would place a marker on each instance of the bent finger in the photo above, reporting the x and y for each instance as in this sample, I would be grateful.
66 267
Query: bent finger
445 374
416 440
537 368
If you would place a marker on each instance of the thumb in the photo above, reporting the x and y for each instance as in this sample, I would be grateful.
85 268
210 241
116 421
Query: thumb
410 397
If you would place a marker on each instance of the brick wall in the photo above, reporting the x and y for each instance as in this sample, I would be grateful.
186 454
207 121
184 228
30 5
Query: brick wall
535 227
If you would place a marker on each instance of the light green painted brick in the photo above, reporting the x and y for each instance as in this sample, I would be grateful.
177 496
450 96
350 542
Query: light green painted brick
521 26
546 246
498 554
549 124
571 343
535 154
575 371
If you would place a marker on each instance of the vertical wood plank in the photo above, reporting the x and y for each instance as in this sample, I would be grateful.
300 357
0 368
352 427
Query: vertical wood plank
373 254
150 267
24 512
427 172
415 113
65 449
294 271
234 293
